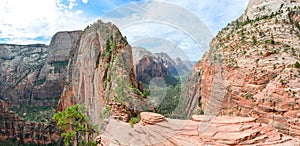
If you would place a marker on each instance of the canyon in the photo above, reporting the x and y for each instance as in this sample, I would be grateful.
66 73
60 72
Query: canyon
35 74
247 85
158 65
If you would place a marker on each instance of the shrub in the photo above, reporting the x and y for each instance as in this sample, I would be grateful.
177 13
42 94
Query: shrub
254 41
248 95
134 120
297 64
40 82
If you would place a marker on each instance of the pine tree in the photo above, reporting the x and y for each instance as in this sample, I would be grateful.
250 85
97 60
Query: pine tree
75 124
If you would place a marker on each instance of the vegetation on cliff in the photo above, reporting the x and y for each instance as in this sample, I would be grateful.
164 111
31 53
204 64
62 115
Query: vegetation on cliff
76 126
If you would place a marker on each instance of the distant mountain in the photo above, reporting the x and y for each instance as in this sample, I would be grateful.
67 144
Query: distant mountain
34 75
150 65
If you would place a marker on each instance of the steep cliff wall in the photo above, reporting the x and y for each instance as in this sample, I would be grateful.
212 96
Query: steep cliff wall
101 75
52 77
150 65
251 68
35 74
14 128
20 67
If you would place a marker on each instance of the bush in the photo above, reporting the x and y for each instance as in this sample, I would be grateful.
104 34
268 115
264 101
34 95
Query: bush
254 41
35 113
59 65
134 120
297 64
248 95
40 82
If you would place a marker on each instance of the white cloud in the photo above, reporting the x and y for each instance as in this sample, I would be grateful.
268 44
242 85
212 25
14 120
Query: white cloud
24 21
162 21
185 16
214 13
85 1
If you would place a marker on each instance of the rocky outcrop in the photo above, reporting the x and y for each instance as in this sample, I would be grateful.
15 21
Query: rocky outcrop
52 77
20 66
201 130
184 66
259 8
251 68
101 75
151 118
32 76
35 74
158 65
14 128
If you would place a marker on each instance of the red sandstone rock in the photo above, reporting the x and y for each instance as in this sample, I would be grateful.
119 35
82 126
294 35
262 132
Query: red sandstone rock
242 78
12 127
184 132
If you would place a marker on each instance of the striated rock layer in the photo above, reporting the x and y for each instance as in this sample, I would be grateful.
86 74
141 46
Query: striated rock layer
201 130
14 128
251 68
35 74
158 65
101 75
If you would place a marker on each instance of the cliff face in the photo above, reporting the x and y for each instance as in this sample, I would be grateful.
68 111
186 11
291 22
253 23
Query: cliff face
52 77
101 75
258 8
20 67
251 68
34 74
149 65
14 128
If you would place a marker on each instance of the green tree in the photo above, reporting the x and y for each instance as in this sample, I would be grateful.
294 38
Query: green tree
254 41
76 126
297 64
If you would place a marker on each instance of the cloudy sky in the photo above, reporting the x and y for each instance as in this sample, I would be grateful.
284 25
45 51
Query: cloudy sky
187 25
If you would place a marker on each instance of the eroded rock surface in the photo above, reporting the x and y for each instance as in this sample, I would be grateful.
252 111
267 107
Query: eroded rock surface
158 65
35 74
12 127
101 75
201 130
251 68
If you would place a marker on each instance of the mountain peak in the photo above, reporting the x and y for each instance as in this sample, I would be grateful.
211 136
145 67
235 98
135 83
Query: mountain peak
258 8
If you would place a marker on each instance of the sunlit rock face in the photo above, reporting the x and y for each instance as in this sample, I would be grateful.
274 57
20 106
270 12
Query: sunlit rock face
35 74
251 68
156 130
101 75
158 65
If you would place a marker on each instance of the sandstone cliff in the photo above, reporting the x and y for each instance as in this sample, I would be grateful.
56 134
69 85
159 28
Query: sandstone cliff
52 77
101 75
151 65
15 129
19 69
34 74
251 68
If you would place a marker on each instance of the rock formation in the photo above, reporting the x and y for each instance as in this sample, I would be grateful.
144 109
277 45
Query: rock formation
101 75
20 66
251 68
201 130
151 65
35 74
14 128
